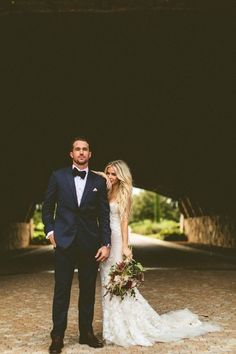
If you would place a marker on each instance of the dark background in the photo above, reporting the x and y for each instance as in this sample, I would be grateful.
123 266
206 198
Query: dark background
152 87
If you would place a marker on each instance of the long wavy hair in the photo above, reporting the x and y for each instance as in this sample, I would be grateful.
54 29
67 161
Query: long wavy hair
124 193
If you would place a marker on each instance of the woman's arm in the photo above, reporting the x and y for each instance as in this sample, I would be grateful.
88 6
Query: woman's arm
125 236
105 176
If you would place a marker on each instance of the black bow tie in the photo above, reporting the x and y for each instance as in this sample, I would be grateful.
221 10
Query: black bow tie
76 172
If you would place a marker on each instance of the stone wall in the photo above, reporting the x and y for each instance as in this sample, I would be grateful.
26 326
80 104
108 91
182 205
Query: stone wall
16 235
214 230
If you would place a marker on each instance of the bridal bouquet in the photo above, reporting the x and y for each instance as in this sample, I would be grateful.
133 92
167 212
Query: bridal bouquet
124 277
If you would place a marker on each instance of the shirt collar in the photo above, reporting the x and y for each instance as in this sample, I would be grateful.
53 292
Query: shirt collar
85 169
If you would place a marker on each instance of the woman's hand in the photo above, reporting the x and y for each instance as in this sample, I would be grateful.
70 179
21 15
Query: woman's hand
109 185
108 182
127 252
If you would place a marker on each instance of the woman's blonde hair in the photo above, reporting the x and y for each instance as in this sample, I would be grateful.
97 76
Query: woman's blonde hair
124 193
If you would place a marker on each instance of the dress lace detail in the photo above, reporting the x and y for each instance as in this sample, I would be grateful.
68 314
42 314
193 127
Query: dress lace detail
133 321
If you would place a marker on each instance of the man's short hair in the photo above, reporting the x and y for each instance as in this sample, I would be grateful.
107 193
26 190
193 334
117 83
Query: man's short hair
81 138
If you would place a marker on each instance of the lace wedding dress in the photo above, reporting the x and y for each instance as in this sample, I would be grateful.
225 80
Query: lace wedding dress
133 321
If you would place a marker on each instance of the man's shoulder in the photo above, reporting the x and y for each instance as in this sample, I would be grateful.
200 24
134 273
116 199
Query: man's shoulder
62 170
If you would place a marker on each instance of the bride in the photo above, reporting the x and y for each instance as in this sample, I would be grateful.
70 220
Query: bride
133 321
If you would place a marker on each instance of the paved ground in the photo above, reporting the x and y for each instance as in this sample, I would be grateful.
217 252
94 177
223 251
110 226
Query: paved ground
178 275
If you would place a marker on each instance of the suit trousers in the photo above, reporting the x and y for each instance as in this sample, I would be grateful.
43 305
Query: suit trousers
66 261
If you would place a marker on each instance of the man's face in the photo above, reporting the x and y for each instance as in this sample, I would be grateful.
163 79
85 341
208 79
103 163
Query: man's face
80 153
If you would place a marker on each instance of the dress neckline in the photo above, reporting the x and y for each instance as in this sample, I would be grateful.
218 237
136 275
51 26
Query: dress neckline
112 201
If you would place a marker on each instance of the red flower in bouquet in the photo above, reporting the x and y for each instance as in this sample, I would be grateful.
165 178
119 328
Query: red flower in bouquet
124 278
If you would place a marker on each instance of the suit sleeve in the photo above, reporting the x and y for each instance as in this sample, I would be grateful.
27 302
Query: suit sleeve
49 205
104 216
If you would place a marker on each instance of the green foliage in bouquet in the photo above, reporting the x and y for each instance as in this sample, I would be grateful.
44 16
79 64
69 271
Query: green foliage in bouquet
124 278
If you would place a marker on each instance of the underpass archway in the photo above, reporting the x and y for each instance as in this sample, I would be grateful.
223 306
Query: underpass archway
152 86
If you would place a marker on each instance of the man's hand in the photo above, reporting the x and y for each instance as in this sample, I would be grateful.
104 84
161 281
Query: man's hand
102 254
52 240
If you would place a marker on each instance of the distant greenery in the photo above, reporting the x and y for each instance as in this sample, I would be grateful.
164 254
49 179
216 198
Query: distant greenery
167 230
150 205
38 234
156 216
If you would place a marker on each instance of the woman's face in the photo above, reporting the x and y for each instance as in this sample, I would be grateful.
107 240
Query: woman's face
111 174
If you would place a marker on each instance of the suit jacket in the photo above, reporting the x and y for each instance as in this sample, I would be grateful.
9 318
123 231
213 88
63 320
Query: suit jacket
89 222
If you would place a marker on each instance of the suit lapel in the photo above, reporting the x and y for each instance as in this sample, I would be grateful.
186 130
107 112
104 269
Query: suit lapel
87 187
71 182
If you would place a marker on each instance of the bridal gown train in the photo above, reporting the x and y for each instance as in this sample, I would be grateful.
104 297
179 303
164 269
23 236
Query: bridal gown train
133 321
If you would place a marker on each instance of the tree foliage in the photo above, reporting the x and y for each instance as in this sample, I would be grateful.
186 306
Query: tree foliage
152 206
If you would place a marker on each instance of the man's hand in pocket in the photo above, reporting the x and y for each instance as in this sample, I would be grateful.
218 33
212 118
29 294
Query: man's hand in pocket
52 240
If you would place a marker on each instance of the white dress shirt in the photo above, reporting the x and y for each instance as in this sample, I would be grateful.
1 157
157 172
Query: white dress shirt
80 184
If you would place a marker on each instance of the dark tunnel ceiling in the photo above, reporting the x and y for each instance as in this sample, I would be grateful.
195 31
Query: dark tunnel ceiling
152 88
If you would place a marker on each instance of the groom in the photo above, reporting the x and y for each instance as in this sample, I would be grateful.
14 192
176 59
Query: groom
76 218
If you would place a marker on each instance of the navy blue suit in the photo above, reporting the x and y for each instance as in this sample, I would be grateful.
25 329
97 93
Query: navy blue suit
79 231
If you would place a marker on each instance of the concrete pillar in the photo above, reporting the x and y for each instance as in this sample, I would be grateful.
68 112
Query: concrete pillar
15 235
